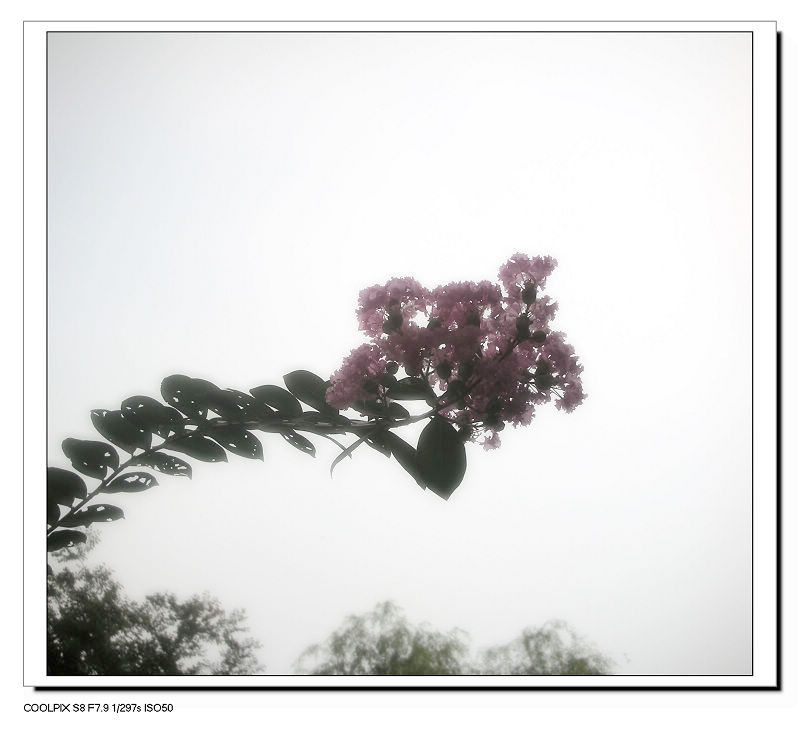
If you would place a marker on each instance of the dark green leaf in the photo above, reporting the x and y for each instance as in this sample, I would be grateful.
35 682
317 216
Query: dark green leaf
412 388
370 407
235 405
125 433
378 445
310 389
190 395
397 411
199 447
53 513
164 463
146 409
91 514
64 487
299 442
131 482
404 453
64 538
176 425
156 417
441 457
238 440
90 457
376 408
284 402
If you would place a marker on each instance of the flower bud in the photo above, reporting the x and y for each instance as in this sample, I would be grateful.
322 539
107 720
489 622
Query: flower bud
444 370
393 322
465 369
463 419
495 405
529 292
523 326
493 421
388 380
392 367
539 336
455 390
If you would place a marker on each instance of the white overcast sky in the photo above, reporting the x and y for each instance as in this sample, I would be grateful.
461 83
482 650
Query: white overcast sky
217 201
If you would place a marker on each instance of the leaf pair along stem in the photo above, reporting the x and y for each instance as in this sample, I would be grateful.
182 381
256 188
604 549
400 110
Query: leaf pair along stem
438 462
132 461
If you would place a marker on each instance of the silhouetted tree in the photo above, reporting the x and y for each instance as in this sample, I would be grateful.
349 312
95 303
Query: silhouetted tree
94 630
383 643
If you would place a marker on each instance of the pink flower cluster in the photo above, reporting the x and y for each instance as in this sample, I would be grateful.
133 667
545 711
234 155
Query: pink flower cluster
487 351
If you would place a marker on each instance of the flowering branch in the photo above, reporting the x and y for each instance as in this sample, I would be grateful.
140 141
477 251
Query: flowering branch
479 355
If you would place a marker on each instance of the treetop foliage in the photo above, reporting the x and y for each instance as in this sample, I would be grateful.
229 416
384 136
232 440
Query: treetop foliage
93 629
383 643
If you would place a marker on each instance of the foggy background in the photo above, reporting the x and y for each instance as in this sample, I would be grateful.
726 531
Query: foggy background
217 201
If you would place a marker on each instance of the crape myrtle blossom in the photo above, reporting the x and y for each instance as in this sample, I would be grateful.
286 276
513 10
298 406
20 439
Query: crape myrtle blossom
485 351
363 364
520 269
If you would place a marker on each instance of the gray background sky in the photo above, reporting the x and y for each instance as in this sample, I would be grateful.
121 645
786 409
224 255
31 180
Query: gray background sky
216 202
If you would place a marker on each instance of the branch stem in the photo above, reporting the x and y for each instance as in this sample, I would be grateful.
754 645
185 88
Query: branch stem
360 429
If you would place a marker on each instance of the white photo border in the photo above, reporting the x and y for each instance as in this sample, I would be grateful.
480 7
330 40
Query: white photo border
765 341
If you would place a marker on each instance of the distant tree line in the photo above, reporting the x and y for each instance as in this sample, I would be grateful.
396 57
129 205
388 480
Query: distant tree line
93 629
383 643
